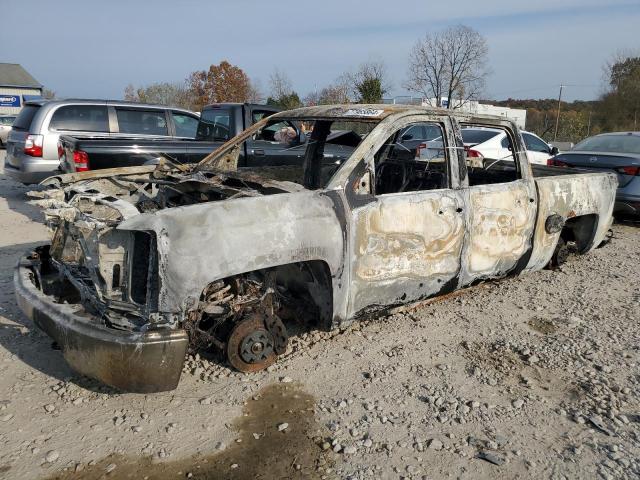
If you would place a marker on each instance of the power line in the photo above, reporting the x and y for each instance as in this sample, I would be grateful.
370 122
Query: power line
538 89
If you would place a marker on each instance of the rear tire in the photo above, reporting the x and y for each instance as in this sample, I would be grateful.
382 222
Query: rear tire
560 254
607 238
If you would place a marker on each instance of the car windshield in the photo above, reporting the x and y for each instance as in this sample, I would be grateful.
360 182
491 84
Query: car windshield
304 151
476 136
625 143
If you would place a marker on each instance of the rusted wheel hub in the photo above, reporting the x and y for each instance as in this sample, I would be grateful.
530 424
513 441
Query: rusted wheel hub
250 346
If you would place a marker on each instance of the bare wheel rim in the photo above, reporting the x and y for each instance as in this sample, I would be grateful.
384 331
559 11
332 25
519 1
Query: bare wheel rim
250 347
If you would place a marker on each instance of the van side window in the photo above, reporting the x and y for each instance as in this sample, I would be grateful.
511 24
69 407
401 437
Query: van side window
145 122
80 118
409 162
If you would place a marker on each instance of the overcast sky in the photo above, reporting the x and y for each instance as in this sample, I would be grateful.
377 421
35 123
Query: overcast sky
85 48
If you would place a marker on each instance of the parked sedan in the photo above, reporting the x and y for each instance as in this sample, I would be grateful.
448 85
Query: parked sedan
5 127
618 152
494 144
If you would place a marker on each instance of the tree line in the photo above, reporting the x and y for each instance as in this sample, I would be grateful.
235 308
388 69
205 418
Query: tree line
617 108
450 65
229 83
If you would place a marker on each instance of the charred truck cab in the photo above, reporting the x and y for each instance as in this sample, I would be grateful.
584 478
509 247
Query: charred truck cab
381 207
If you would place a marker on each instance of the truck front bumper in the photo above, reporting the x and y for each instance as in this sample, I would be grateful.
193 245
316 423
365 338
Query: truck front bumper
141 362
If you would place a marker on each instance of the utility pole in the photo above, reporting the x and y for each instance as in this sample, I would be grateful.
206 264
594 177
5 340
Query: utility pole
589 126
555 135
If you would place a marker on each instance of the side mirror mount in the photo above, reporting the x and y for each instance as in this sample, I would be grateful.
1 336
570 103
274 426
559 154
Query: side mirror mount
406 136
554 151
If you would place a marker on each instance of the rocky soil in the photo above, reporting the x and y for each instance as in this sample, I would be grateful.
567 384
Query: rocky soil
531 377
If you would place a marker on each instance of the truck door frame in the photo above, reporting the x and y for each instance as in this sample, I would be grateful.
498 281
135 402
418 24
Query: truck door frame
500 217
430 237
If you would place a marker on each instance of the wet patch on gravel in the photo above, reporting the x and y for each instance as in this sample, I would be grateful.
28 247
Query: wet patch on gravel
543 325
278 437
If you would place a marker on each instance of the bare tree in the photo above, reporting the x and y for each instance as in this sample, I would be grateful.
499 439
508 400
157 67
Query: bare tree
335 93
255 92
48 94
282 93
164 93
280 84
452 63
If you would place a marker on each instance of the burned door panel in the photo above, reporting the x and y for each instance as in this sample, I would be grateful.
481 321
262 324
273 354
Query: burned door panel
500 226
405 247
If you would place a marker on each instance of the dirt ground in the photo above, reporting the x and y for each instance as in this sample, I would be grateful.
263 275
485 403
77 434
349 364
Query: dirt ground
531 377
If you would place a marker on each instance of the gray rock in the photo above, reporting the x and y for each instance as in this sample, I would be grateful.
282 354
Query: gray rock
110 468
350 450
491 458
283 426
52 456
435 444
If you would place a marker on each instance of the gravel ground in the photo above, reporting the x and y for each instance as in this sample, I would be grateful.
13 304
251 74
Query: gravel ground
530 377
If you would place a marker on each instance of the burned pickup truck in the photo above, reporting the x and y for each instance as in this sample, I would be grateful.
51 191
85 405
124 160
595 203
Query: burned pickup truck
146 262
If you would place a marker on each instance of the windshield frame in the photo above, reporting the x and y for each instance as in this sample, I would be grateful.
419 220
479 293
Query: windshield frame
225 157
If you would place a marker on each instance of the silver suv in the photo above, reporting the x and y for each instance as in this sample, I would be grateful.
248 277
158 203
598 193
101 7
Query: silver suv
32 146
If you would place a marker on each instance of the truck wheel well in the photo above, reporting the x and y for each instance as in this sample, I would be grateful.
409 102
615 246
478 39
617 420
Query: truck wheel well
580 230
304 289
309 283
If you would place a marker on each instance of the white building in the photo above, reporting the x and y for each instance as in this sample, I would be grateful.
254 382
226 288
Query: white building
16 86
519 116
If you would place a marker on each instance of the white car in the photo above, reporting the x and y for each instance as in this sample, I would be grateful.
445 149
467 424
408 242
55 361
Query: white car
494 144
5 127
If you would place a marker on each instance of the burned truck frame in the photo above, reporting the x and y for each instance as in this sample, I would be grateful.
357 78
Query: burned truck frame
146 260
